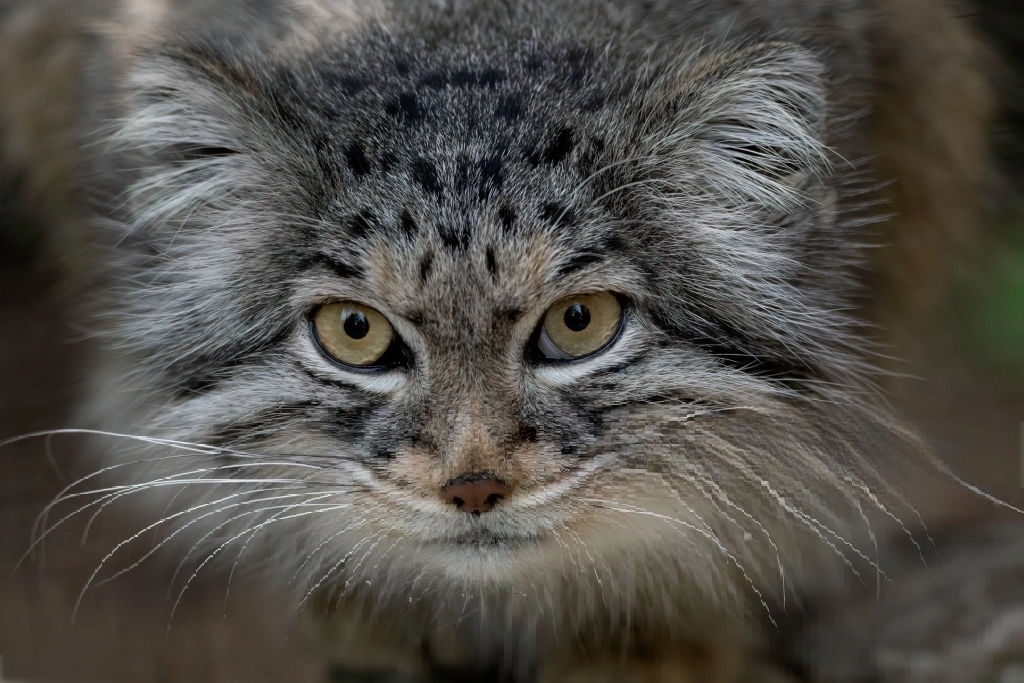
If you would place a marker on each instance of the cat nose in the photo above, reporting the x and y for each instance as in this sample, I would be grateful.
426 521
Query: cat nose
474 493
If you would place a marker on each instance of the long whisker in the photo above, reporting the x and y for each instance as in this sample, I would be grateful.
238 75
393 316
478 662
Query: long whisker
234 538
202 539
323 543
238 558
334 568
672 521
191 448
196 520
116 496
139 533
111 491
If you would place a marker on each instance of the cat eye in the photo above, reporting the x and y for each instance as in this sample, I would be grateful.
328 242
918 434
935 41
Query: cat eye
580 325
353 334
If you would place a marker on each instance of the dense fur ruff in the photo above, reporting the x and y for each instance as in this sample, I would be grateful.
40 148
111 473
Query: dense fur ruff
460 167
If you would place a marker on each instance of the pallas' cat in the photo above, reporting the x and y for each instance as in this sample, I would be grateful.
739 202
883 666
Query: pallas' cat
525 332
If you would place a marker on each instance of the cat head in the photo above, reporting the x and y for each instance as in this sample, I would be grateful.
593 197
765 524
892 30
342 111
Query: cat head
506 312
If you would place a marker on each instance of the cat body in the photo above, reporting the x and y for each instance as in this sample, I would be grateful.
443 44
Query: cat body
226 172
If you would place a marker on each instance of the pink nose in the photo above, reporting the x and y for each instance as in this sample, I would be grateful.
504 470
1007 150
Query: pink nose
474 493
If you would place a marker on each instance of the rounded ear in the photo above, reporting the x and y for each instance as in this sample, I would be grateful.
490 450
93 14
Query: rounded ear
738 192
752 121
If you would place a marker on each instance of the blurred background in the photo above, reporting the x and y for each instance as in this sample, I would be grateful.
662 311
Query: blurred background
964 389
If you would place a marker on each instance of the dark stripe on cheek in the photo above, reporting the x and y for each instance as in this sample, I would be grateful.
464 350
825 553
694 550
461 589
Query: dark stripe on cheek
758 365
203 373
731 349
348 424
266 421
622 366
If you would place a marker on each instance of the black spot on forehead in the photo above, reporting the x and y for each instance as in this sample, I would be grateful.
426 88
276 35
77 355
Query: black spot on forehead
558 215
387 162
455 238
594 102
492 262
406 107
435 80
491 77
493 138
425 265
491 175
578 61
507 216
463 78
532 156
362 223
510 108
407 223
425 173
355 155
347 84
461 173
560 147
612 244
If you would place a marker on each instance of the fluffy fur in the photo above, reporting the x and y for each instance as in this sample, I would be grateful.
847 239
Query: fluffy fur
460 166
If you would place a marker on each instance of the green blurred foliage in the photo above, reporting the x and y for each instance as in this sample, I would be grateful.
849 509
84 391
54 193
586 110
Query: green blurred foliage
988 306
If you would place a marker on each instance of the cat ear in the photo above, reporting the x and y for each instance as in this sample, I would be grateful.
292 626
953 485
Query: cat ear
749 123
737 188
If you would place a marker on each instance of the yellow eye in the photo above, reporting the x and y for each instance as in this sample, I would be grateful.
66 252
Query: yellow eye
351 333
579 325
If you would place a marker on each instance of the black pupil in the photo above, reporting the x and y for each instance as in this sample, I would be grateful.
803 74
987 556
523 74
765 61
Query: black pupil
577 317
356 325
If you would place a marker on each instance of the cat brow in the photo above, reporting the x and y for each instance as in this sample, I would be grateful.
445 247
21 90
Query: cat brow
340 268
578 262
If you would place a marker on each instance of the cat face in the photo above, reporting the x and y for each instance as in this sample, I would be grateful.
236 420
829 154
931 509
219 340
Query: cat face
516 314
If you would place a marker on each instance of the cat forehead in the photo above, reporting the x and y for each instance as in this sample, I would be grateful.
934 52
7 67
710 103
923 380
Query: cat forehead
449 127
478 160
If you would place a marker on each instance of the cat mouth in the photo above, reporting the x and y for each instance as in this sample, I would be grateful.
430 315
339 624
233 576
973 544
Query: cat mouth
487 539
481 538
